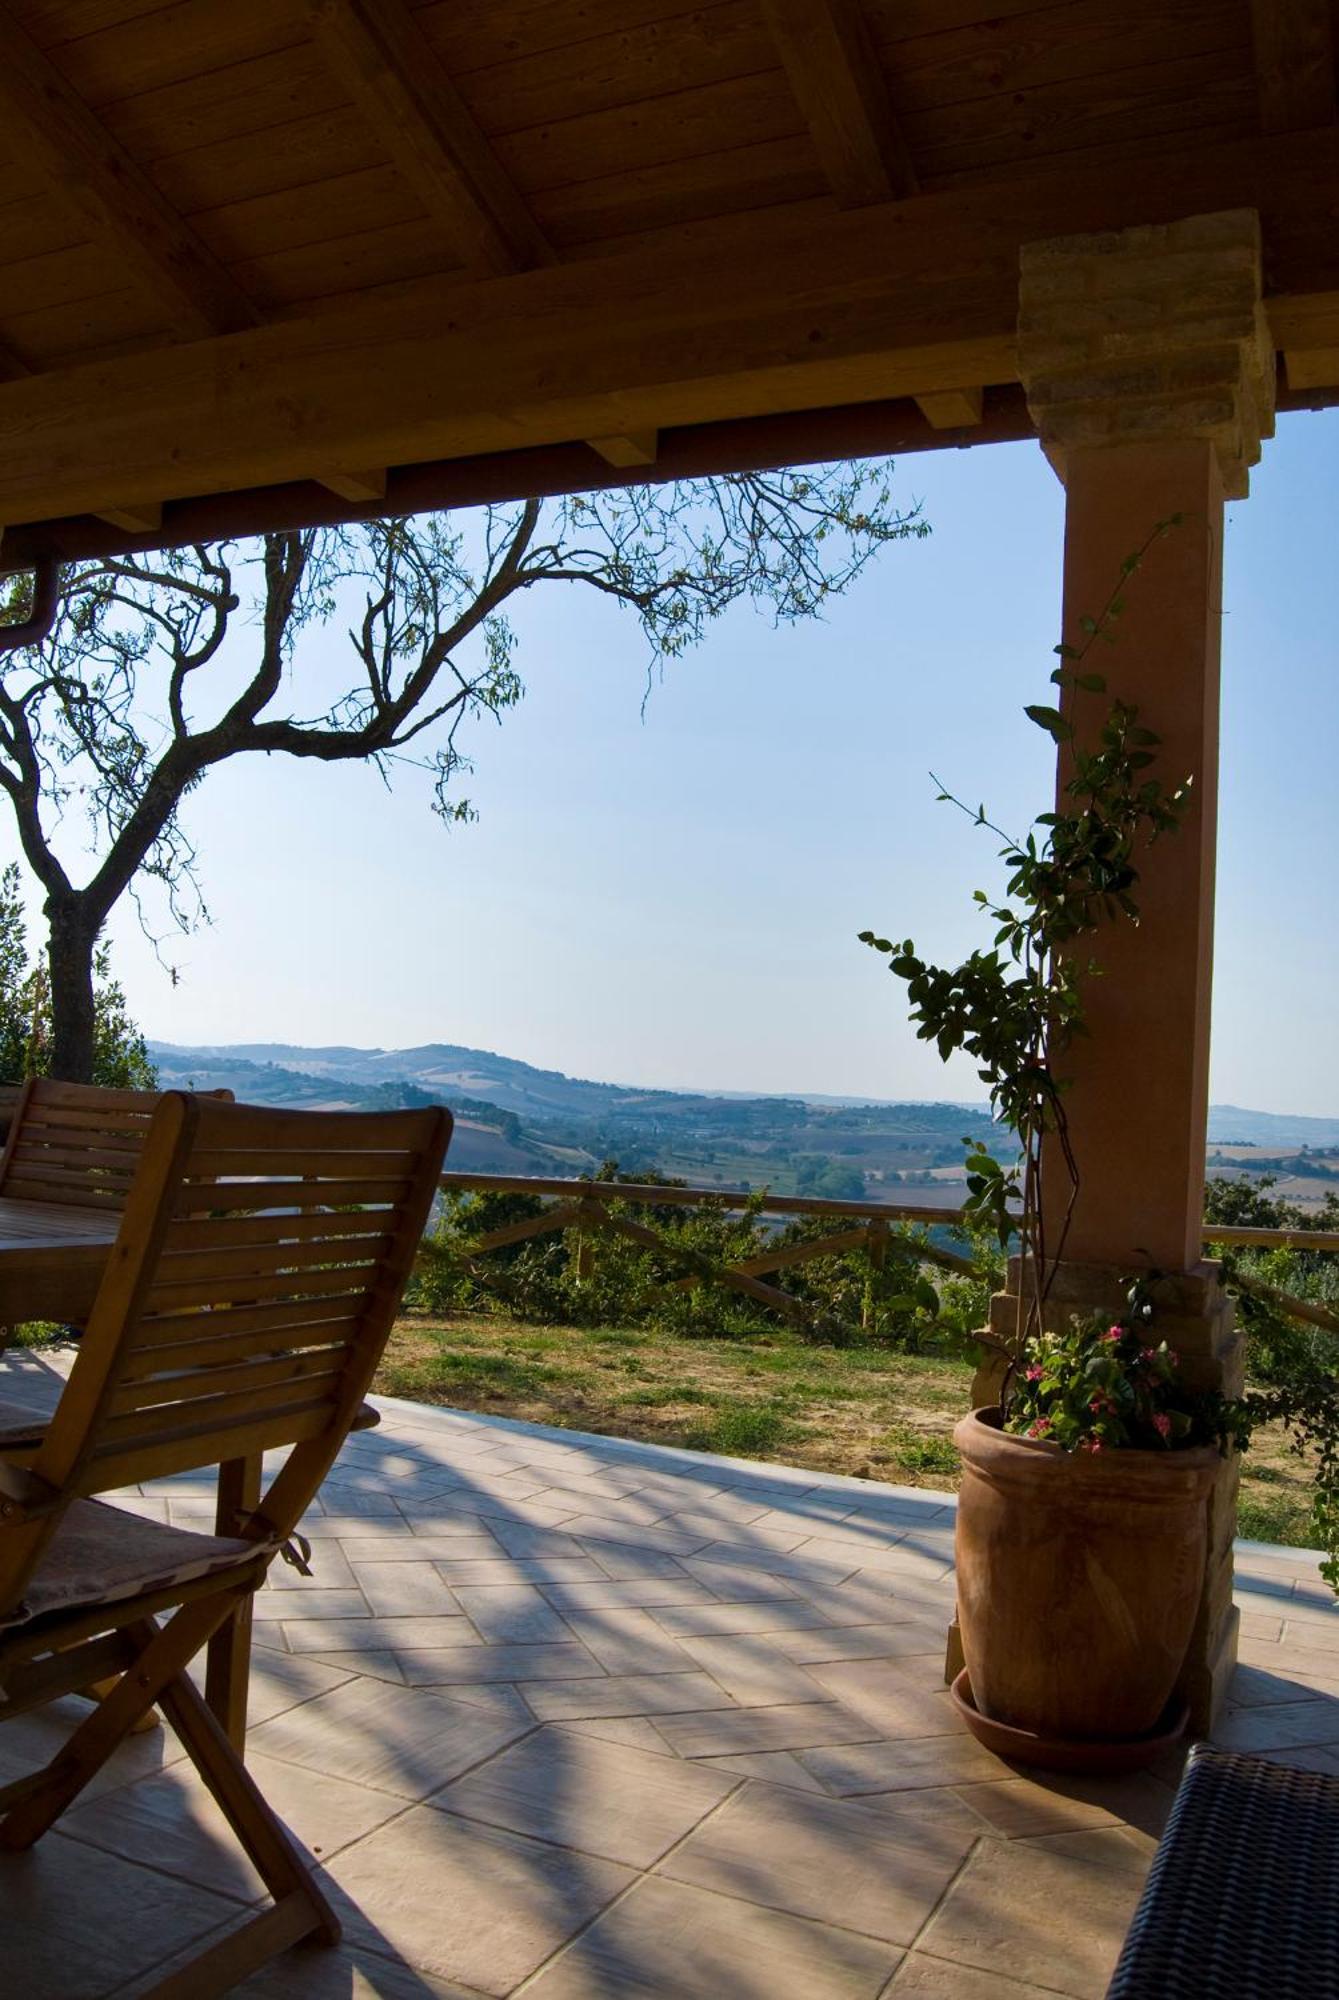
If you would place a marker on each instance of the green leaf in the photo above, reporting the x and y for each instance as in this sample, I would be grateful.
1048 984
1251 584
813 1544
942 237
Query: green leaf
1049 719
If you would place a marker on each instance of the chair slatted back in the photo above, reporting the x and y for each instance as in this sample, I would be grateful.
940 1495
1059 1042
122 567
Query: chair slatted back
259 1265
77 1144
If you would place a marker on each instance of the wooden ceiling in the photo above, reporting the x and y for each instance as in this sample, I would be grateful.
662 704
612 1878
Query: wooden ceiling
275 260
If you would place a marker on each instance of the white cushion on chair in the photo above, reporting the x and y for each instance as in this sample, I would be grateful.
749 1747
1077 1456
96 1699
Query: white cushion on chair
101 1555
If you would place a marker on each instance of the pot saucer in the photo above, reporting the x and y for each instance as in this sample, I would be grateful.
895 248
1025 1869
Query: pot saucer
1111 1755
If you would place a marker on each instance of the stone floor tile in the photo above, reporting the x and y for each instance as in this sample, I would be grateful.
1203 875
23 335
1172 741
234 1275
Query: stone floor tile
751 1669
736 1580
29 1742
445 1541
623 1694
602 1798
1018 1807
403 1589
634 1731
365 1498
898 1639
1279 1725
802 1567
374 1635
878 1766
402 1740
444 1664
922 1978
329 1570
1264 1676
667 1941
629 1641
798 1726
520 1569
1016 1909
281 1681
609 1593
879 1691
380 1666
313 1602
595 1529
511 1614
521 1538
1123 1847
172 1823
831 1859
1254 1626
465 1901
896 1561
350 1527
626 1563
76 1928
346 1974
774 1767
705 1619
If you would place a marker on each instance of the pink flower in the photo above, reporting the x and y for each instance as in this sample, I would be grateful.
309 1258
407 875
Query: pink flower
1091 1444
1114 1333
1162 1424
1034 1373
1148 1354
1040 1428
1173 1358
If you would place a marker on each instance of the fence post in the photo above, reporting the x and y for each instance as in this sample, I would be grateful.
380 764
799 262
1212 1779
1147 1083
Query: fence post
876 1249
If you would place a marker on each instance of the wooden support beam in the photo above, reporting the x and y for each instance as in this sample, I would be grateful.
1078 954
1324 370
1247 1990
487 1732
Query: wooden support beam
838 82
112 196
398 83
357 486
902 299
952 409
1294 63
1311 367
141 519
635 448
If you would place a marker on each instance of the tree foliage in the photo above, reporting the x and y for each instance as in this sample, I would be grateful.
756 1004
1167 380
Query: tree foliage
120 1059
160 668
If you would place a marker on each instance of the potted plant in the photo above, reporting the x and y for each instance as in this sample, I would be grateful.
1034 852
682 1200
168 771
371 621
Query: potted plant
1082 1516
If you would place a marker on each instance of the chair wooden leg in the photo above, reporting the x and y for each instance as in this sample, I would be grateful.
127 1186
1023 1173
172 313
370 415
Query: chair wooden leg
165 1654
235 1957
228 1665
281 1864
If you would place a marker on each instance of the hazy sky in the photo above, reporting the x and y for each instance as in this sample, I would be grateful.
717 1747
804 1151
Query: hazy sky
672 897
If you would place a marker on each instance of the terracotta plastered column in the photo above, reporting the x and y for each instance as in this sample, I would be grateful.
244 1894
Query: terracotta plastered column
1149 373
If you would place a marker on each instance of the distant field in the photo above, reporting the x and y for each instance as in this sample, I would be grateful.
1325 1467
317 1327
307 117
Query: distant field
861 1410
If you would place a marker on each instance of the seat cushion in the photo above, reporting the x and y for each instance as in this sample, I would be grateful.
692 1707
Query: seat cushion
101 1554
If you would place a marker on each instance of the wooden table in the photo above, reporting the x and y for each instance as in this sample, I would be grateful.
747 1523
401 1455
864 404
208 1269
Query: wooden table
52 1257
51 1260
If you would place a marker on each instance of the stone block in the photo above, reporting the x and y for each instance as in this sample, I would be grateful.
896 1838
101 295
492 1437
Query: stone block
1150 333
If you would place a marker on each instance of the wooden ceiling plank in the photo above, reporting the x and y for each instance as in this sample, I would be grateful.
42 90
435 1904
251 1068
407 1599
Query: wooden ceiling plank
113 196
952 409
1294 63
905 299
634 448
835 73
141 519
396 81
357 486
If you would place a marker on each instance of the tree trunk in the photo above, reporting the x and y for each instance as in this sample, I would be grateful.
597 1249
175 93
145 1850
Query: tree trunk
70 957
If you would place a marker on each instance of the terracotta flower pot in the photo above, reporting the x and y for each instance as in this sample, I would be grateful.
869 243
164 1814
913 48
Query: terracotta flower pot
1079 1576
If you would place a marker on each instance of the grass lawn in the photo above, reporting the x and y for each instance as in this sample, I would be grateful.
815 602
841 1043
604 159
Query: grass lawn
861 1410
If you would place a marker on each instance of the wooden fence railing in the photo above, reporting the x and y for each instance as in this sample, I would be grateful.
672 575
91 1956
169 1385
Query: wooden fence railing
587 1207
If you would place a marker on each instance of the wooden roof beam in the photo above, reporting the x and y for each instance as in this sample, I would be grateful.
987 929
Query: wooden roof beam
1294 63
834 71
111 195
952 409
913 298
400 87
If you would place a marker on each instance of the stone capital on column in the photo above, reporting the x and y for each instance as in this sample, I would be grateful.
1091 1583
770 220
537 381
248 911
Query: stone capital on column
1152 334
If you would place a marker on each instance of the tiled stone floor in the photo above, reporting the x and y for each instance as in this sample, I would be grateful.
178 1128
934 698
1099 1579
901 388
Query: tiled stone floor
567 1717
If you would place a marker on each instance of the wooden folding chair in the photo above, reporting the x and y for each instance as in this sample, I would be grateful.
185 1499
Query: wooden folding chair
256 1275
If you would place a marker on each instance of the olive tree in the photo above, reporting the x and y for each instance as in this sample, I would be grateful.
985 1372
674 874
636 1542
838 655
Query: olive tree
150 671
